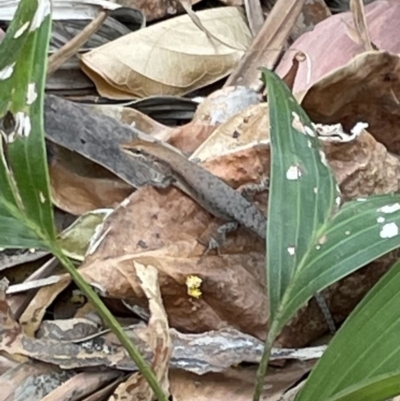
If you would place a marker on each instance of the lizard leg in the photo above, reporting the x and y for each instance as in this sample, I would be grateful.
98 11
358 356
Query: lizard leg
326 312
217 241
248 190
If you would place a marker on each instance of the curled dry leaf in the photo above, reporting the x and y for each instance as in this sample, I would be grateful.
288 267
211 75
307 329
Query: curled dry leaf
34 313
136 387
172 57
329 46
367 90
215 110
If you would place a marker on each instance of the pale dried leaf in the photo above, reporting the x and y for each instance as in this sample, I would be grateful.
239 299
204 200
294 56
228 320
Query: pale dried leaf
172 57
34 313
136 387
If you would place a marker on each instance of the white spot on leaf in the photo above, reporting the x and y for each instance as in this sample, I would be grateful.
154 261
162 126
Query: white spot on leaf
6 72
322 155
389 230
359 128
23 124
380 219
338 201
42 11
31 95
309 131
318 247
42 197
395 207
296 123
361 199
21 30
291 250
293 173
347 232
315 190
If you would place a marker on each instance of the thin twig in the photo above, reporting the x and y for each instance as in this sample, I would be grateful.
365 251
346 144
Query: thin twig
57 59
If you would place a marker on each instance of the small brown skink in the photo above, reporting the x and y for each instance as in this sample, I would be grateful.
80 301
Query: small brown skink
209 191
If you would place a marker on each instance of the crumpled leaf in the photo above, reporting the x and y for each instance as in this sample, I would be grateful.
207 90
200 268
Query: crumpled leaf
330 46
172 57
356 92
136 387
74 343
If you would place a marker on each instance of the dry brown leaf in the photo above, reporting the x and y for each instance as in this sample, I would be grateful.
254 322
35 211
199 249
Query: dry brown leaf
329 46
235 384
78 185
367 89
135 119
84 384
171 58
160 236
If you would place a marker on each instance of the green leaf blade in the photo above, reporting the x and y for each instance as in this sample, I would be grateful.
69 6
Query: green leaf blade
351 239
366 348
299 179
29 184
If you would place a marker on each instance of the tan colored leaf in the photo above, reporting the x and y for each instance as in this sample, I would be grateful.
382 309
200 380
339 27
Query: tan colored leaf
79 185
171 58
34 313
215 110
136 387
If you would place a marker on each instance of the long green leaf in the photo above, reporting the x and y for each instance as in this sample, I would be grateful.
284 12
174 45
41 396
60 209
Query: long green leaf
312 237
364 356
379 388
302 187
24 181
360 232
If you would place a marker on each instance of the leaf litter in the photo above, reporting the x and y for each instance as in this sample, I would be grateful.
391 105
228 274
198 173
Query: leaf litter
142 255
